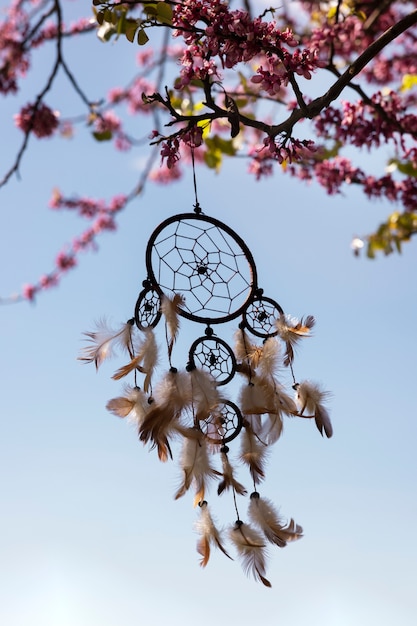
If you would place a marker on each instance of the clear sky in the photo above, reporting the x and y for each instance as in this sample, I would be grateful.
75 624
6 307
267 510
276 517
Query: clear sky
90 534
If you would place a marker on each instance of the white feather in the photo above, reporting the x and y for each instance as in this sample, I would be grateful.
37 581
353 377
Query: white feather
251 550
263 513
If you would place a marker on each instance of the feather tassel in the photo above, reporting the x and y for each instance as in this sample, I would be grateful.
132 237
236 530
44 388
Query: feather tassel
291 331
209 535
253 453
147 355
169 308
262 513
103 341
196 467
133 405
251 550
310 398
229 481
161 421
245 350
205 396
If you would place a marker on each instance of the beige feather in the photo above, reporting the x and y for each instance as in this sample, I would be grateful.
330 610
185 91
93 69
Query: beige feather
133 405
229 481
170 308
144 361
209 535
264 515
310 398
195 464
271 358
291 331
104 340
253 453
251 550
246 350
150 358
205 396
160 423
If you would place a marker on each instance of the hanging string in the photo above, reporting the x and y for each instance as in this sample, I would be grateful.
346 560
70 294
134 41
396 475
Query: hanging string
197 207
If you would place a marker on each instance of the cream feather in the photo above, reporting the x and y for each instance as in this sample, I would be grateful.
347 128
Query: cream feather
253 453
170 308
162 420
150 357
229 481
263 514
195 464
133 405
272 428
205 396
310 398
291 331
271 358
104 340
144 360
250 547
209 535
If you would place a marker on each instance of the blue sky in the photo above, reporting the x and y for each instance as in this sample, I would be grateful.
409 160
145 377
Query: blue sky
89 532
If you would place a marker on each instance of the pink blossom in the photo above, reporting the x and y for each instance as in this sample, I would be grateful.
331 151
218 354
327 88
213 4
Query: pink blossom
40 120
29 292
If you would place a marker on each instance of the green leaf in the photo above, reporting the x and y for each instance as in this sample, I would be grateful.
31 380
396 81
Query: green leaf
150 9
225 146
106 135
142 37
164 13
213 159
131 26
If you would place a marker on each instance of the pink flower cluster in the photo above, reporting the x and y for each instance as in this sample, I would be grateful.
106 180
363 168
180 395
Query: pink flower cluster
39 119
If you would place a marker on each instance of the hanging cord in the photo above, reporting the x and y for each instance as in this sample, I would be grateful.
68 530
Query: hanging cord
197 207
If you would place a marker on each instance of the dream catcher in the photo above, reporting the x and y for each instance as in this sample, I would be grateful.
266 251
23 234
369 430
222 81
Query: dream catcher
201 271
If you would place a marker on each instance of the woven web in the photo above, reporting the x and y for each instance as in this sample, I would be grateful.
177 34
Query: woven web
261 316
216 357
205 264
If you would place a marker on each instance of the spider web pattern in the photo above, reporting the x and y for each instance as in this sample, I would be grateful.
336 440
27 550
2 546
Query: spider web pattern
147 309
201 260
214 356
261 315
224 424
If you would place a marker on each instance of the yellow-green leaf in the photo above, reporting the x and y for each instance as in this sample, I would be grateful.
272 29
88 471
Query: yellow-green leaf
142 37
130 30
408 81
164 13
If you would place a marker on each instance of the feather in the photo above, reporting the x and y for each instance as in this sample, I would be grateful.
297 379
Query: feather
245 350
196 467
147 354
209 535
310 398
256 398
205 396
270 359
169 308
104 339
253 453
272 428
291 331
150 357
133 405
251 550
262 513
161 421
229 481
134 364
